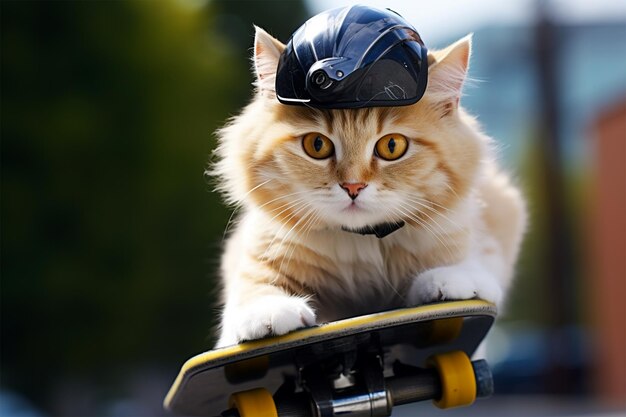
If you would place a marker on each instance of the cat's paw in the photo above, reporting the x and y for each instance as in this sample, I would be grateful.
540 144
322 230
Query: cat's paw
456 282
272 315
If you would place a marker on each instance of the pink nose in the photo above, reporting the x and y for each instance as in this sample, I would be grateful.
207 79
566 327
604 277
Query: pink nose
353 188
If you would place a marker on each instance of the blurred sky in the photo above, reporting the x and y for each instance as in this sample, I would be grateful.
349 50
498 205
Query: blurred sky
440 19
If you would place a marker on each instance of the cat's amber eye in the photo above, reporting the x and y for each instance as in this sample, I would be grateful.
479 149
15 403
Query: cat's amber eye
391 147
317 146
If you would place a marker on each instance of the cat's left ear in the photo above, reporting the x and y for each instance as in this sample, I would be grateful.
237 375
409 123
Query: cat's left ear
447 71
267 50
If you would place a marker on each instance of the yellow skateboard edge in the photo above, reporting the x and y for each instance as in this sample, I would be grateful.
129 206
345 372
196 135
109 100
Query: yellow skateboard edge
447 307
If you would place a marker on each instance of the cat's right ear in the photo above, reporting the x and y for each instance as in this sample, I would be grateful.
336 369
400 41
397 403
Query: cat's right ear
267 50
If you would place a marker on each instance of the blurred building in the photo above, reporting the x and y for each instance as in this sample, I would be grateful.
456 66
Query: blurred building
592 74
590 68
608 248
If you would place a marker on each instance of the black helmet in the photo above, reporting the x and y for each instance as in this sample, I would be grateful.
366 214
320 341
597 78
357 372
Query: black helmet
353 57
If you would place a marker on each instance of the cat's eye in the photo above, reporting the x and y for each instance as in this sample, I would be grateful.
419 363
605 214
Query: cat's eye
317 145
391 147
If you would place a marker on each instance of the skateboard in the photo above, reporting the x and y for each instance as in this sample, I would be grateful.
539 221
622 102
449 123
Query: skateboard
361 366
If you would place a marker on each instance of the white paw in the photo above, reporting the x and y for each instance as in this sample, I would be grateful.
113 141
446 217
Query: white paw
456 282
271 315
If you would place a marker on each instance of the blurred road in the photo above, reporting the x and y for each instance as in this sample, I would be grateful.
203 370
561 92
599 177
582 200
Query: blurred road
514 406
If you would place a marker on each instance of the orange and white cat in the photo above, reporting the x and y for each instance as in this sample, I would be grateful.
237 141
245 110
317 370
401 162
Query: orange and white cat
305 176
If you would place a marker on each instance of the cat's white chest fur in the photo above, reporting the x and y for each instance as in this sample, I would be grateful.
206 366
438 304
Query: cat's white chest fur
348 248
361 281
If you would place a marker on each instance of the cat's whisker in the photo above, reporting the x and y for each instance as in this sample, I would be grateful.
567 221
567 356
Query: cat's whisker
427 204
434 224
230 221
425 227
437 213
287 206
291 243
411 195
292 205
240 205
452 190
459 229
435 204
256 188
428 228
286 221
305 228
280 197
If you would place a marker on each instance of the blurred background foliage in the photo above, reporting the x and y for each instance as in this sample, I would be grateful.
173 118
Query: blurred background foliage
110 230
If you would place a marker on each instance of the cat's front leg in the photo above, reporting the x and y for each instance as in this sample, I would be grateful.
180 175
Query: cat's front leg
466 280
272 313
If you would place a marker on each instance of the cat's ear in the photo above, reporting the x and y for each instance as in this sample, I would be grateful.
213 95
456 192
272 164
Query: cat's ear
447 71
267 51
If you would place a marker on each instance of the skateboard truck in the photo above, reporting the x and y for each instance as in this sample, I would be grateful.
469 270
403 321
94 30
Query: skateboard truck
366 396
450 380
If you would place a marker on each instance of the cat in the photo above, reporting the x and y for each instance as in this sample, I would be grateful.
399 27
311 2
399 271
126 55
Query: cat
305 178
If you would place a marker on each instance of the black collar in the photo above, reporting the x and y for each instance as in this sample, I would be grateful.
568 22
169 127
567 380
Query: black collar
380 230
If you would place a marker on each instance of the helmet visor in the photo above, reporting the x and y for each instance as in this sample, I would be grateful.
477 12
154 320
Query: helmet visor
397 78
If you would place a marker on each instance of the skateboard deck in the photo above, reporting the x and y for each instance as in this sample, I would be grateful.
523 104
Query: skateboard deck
371 349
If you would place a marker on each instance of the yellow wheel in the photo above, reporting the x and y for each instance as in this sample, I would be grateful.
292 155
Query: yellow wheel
458 382
254 403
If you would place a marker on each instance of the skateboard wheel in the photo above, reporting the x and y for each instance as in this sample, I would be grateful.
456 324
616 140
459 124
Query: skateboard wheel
484 378
254 403
458 382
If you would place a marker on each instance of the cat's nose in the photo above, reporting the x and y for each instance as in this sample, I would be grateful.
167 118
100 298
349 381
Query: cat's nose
353 188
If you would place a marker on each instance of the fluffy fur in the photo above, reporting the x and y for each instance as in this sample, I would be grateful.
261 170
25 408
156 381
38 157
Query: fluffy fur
287 262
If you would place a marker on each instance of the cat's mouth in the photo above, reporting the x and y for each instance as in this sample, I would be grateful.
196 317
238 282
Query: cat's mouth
353 206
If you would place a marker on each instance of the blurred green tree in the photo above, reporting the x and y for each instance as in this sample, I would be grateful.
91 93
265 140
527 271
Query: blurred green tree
110 231
235 20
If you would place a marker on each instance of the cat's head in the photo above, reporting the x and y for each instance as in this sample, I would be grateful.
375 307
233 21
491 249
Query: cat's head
351 168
